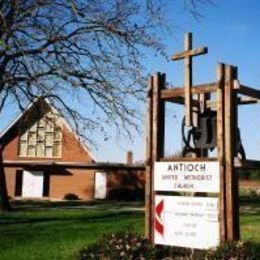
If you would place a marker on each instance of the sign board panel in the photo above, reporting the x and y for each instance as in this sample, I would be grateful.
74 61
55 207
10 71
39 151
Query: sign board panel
186 221
187 176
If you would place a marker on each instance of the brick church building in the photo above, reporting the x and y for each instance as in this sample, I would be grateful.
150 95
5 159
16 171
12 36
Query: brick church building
44 159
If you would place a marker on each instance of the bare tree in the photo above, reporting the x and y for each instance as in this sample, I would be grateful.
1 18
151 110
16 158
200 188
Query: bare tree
52 47
89 48
4 201
92 48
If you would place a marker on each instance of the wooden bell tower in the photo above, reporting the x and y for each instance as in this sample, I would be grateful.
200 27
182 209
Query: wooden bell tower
228 95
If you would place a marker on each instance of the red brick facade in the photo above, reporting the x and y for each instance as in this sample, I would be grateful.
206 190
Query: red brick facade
61 181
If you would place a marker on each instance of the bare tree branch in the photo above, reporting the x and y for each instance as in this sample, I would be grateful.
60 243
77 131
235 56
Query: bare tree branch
91 48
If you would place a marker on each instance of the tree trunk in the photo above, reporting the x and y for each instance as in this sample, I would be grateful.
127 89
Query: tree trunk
4 201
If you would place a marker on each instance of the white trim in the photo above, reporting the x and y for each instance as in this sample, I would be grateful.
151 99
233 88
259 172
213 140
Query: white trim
53 109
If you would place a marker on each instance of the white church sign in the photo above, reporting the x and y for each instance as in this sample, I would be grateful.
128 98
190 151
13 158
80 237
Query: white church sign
186 221
187 176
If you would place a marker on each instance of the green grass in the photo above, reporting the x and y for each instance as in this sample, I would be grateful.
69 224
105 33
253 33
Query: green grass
250 227
59 233
250 218
56 231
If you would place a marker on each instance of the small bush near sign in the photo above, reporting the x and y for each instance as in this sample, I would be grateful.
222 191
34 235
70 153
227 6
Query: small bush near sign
121 245
129 246
234 250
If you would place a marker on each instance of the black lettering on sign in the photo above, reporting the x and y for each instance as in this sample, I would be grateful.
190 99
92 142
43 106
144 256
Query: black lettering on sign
186 167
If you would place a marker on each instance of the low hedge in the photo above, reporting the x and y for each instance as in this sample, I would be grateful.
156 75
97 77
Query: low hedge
129 246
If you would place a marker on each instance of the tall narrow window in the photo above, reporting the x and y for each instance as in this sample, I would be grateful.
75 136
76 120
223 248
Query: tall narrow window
41 139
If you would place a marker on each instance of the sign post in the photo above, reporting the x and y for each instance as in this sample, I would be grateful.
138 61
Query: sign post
169 221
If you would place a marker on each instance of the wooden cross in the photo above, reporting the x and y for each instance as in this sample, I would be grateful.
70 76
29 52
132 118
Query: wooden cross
187 55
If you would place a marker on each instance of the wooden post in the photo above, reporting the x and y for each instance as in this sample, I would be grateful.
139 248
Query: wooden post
196 109
235 177
148 187
187 55
232 213
221 148
188 79
203 99
156 150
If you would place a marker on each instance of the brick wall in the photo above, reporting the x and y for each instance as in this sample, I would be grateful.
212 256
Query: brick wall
62 182
72 151
10 180
76 182
121 184
126 184
80 182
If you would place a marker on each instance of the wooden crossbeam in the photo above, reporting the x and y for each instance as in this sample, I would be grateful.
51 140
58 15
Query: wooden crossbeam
187 55
181 101
240 101
180 92
248 91
175 95
186 159
194 52
248 101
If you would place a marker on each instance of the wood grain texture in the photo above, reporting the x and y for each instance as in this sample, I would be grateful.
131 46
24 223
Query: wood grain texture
187 53
148 187
179 91
232 213
221 149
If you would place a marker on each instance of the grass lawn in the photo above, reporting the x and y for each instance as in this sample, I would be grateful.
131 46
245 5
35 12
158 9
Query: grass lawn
250 219
57 231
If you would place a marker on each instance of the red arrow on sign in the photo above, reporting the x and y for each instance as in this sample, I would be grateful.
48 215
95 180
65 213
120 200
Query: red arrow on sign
158 211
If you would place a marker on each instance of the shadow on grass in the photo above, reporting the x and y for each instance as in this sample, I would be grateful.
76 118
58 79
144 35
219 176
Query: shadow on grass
249 199
250 205
21 205
49 233
256 249
10 219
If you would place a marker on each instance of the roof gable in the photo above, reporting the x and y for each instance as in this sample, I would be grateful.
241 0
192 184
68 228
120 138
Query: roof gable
40 106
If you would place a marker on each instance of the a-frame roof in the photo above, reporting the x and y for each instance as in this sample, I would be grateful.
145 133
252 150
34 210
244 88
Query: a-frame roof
46 102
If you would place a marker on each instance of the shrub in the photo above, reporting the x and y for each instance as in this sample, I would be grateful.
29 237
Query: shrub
234 250
119 246
180 253
126 246
71 196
